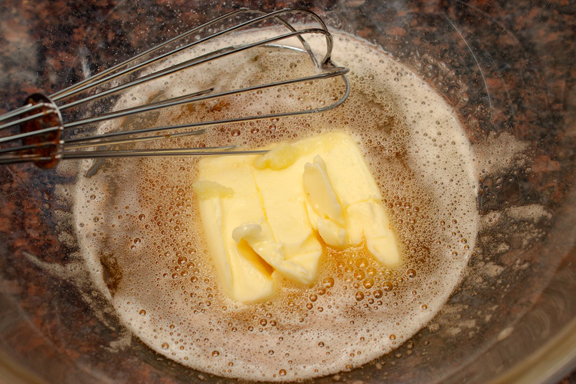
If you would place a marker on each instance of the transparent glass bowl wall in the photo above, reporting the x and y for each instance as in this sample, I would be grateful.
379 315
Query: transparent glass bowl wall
499 71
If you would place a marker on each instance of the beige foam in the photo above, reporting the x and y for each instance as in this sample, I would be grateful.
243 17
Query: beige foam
144 222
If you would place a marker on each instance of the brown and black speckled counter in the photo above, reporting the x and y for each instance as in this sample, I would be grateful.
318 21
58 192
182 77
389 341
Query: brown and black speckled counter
533 94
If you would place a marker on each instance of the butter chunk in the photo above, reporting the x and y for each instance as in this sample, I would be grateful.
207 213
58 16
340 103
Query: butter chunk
282 198
319 191
242 274
279 157
331 233
299 268
208 189
265 216
348 172
367 221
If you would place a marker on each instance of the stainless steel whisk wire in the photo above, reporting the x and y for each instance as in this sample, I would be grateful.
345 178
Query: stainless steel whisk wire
41 121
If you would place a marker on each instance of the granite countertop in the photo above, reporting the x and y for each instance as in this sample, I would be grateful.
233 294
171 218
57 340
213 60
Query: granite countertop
40 46
570 379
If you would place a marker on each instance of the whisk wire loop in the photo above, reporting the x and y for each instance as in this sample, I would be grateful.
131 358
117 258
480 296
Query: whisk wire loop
42 125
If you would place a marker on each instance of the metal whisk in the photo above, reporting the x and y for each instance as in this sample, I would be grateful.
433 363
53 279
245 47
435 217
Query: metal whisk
45 138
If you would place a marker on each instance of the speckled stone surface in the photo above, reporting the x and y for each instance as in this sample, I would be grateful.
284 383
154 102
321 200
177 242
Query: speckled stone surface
526 85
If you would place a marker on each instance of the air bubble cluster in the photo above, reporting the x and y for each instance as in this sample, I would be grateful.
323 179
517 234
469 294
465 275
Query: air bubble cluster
138 219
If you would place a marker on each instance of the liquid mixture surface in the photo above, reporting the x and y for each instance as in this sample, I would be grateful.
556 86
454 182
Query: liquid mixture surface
139 227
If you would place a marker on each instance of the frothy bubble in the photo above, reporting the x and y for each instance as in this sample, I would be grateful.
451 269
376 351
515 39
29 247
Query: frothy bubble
138 219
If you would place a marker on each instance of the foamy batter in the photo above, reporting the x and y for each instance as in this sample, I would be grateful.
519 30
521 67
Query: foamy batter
138 217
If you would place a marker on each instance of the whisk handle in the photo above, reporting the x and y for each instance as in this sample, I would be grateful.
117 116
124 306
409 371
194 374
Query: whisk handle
47 144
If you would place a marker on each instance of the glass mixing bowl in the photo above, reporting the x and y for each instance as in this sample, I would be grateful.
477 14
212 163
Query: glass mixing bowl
506 67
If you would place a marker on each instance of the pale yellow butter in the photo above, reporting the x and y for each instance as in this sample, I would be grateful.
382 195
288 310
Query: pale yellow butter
268 215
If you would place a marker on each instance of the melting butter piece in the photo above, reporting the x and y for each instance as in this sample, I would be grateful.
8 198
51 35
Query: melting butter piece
280 157
242 274
368 220
208 189
263 243
319 191
265 216
331 233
